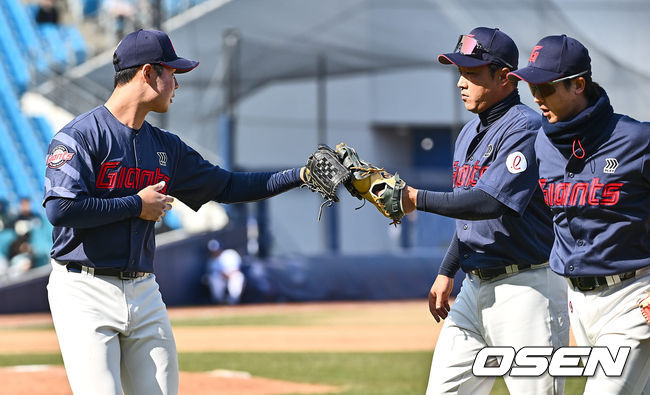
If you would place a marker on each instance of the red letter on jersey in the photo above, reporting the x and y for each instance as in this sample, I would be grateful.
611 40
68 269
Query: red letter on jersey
107 177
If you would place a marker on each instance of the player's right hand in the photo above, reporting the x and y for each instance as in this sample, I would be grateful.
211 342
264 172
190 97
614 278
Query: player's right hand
439 297
154 204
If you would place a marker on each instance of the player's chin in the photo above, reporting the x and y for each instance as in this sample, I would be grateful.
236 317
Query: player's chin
162 108
471 107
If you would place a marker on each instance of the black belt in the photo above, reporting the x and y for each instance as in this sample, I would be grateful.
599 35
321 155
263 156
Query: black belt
104 271
490 273
586 284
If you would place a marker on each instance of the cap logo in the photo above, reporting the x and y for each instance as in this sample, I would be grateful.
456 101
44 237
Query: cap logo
535 53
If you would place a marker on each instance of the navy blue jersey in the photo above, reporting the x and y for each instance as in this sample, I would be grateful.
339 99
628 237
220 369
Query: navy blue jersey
96 156
503 165
600 196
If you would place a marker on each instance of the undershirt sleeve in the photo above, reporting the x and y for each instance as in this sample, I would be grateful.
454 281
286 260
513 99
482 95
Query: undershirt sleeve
472 204
451 262
248 187
90 212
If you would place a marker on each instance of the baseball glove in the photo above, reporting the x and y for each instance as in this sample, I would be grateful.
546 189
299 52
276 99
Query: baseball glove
324 173
644 305
373 184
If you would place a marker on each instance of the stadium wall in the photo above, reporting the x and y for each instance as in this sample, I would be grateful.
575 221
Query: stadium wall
180 267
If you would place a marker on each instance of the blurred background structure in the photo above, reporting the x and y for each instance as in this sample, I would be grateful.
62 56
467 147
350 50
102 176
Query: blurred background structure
278 77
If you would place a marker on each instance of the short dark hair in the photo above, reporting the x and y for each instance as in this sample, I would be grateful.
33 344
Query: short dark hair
592 89
124 76
494 67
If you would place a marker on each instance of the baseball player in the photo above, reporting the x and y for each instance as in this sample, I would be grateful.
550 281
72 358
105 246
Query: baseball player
594 171
224 275
503 230
108 179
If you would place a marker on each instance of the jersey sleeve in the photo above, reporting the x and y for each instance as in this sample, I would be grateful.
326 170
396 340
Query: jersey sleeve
196 181
69 172
513 175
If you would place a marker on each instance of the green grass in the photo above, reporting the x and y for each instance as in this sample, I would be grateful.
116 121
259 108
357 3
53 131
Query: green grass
357 373
39 327
30 359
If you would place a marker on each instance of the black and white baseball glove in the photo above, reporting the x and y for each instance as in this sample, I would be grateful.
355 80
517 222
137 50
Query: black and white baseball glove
324 172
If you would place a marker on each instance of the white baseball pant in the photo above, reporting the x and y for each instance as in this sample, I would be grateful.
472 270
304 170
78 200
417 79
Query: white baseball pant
525 309
610 317
114 334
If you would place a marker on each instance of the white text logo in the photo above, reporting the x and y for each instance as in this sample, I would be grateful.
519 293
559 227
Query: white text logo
535 361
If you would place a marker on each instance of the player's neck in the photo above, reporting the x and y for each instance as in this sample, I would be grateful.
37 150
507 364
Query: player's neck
126 110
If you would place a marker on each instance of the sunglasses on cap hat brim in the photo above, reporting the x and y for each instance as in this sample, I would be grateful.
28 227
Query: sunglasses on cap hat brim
547 88
468 45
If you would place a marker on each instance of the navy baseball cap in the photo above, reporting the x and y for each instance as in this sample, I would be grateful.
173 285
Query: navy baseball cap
482 46
149 46
554 57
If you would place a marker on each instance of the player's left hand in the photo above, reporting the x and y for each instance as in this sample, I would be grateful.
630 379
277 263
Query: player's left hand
439 297
154 204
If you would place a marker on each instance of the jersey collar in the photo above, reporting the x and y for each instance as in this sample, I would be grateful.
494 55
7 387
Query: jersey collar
590 128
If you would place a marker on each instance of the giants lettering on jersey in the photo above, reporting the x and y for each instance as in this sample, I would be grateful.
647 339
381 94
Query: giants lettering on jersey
467 175
112 175
580 193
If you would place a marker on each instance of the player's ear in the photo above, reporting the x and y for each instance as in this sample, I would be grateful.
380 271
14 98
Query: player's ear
579 84
503 75
148 73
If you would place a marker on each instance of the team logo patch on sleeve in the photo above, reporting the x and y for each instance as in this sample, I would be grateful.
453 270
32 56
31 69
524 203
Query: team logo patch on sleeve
58 157
516 162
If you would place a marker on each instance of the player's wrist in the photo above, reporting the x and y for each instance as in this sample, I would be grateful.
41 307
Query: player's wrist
135 205
409 199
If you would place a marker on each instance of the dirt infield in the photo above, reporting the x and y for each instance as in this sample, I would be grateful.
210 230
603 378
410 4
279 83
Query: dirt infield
360 326
378 326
